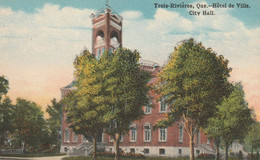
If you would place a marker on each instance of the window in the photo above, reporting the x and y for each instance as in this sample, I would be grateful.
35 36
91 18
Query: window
84 139
121 138
75 137
111 50
147 134
147 110
208 141
180 151
103 50
146 151
198 151
98 54
66 135
163 106
132 150
111 139
161 151
162 134
133 134
180 133
198 137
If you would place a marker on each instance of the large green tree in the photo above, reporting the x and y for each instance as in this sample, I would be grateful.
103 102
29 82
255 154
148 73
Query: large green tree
252 139
231 121
85 106
126 85
54 122
193 82
6 110
6 119
29 124
236 117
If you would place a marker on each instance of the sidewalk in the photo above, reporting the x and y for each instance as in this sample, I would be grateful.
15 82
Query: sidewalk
35 158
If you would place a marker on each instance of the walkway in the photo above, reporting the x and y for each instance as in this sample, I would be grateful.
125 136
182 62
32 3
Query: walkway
36 158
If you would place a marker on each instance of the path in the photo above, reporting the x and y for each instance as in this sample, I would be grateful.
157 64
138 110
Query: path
35 158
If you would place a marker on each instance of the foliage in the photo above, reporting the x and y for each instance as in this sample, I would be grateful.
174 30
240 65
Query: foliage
86 106
240 155
54 123
30 125
204 156
4 86
6 119
193 82
252 139
233 118
127 90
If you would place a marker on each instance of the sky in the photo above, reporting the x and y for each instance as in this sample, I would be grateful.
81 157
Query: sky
40 39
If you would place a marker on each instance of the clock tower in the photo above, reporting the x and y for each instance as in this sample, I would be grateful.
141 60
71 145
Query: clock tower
106 31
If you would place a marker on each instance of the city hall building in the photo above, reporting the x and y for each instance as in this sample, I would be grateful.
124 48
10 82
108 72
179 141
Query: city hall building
143 136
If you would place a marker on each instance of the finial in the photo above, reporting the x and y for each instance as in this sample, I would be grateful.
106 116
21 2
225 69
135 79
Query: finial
107 3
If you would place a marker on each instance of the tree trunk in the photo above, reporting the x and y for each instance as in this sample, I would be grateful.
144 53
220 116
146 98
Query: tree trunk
217 144
217 153
23 145
116 146
252 152
226 152
192 147
94 156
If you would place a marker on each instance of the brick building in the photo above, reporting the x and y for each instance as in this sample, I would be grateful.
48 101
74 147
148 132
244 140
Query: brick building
143 136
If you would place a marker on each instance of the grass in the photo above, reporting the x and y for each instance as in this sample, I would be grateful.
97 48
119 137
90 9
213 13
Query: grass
33 155
122 158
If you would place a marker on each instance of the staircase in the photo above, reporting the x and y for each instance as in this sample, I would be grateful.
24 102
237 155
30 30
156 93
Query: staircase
205 148
86 148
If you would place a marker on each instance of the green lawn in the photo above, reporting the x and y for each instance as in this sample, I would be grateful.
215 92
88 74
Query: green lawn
33 155
122 158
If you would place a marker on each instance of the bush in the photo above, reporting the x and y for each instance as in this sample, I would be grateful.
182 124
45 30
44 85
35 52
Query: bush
206 156
240 155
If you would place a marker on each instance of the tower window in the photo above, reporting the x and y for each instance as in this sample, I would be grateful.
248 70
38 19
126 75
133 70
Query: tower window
98 54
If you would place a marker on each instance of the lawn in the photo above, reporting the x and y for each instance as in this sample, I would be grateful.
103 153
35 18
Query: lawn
33 155
122 158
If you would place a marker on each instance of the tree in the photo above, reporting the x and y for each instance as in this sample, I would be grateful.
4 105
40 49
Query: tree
6 119
232 120
54 122
252 139
4 86
85 106
6 110
30 125
193 82
126 87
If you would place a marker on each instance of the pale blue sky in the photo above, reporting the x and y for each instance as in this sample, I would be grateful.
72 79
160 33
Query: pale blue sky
39 39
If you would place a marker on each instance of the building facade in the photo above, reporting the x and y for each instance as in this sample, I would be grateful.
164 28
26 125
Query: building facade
143 136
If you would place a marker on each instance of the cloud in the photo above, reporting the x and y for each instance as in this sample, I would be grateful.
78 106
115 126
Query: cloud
38 49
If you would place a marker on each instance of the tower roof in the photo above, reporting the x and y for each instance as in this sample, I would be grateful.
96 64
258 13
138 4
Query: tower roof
103 11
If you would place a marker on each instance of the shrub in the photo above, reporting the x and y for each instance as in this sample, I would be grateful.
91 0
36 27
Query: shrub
206 156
